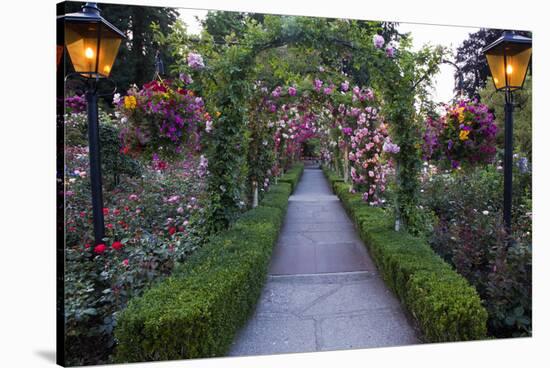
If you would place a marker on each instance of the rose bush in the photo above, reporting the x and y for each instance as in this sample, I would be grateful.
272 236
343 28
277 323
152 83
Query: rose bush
469 234
154 219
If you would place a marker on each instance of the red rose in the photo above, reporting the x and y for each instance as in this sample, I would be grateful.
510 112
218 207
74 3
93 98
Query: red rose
109 226
117 245
100 248
105 211
172 230
116 211
87 246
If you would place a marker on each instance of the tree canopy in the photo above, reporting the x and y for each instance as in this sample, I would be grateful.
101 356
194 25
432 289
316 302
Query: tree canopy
135 62
472 62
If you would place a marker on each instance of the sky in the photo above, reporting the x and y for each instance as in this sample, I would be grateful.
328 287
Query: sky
449 36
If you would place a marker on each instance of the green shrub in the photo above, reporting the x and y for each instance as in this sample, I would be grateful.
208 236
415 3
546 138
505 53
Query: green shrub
445 305
277 196
293 175
197 311
332 177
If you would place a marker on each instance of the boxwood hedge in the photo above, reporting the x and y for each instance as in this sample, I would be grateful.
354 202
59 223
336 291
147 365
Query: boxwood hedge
198 310
445 306
293 176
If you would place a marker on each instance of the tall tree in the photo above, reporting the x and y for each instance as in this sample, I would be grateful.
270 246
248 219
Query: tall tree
135 62
472 62
220 24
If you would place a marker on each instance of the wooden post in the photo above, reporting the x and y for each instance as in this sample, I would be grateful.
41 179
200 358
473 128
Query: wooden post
346 164
255 199
397 212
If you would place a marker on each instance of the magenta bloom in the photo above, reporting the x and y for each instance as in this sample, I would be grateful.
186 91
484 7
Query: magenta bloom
390 51
347 131
318 84
292 91
378 41
186 78
195 61
276 92
390 147
345 86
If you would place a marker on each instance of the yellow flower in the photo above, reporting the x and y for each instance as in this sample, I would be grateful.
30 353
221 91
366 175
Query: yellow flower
218 114
460 111
463 136
130 102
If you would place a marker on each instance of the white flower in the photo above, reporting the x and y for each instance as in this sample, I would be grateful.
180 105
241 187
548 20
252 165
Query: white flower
116 98
208 128
485 212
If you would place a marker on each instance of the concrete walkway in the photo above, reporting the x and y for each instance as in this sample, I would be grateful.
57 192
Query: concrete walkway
323 291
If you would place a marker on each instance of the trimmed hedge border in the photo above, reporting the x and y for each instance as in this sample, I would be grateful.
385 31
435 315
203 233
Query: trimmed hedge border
293 176
197 311
445 306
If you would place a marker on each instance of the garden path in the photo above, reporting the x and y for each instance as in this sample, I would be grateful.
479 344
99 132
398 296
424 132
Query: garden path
323 291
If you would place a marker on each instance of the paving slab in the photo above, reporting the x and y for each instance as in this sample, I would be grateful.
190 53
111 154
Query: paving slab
286 334
323 291
355 298
344 226
378 328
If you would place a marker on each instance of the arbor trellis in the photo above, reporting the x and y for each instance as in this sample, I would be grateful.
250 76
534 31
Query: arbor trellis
399 79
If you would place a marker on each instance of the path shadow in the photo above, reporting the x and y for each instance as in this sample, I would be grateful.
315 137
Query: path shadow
48 355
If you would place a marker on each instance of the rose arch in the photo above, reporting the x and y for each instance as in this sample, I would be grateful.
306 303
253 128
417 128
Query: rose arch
365 117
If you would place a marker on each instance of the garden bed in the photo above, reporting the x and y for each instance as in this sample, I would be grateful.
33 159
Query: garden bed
445 306
197 311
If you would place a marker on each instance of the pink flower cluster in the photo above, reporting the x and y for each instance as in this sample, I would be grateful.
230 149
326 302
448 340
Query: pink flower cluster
195 61
378 41
369 172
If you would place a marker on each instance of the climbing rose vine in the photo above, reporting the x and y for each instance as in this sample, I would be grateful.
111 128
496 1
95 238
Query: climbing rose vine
195 61
369 172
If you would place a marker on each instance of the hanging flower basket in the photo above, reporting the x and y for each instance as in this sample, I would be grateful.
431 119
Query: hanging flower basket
465 135
162 118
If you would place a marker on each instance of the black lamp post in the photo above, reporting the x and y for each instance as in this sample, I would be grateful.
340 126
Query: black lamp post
92 44
508 58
